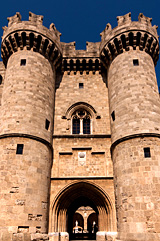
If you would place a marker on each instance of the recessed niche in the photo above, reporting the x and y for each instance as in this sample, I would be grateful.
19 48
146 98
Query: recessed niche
19 150
113 115
23 62
1 79
47 124
81 85
147 152
135 62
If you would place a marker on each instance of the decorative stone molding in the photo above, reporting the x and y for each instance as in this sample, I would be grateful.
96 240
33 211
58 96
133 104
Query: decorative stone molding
79 105
129 35
81 65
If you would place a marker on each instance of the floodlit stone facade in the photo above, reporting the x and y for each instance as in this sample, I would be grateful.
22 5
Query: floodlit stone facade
79 134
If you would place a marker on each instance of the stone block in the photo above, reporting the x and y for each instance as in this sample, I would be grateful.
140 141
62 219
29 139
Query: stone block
64 236
27 237
12 229
101 236
6 236
18 237
55 236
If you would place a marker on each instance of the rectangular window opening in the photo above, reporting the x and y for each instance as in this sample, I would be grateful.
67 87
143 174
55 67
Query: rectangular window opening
113 115
23 62
76 126
135 62
147 152
47 124
86 126
19 149
80 85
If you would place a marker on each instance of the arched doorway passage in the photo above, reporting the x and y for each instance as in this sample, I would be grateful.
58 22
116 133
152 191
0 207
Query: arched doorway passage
73 228
72 205
92 223
78 221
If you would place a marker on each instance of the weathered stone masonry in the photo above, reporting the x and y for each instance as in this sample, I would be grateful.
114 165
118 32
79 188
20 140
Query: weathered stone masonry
79 128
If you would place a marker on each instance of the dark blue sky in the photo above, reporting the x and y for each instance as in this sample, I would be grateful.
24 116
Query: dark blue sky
81 20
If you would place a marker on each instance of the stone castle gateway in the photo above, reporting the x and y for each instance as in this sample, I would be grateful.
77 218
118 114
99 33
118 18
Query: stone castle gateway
79 134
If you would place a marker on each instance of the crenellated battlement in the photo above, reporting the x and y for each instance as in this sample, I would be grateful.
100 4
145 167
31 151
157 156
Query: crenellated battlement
31 35
81 60
34 18
14 19
136 35
125 19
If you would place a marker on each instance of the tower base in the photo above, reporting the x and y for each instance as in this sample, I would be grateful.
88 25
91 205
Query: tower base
24 237
138 237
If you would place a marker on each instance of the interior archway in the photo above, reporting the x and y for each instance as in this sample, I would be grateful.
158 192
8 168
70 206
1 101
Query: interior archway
73 197
78 221
92 222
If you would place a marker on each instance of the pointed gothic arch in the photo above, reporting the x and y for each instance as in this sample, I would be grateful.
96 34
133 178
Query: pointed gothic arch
75 195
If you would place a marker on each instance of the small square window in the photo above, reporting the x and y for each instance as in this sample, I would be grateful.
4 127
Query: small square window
19 149
113 115
23 62
80 85
147 152
135 62
47 124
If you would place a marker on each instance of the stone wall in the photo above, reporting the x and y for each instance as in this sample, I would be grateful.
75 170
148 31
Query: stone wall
65 185
97 160
68 93
2 73
28 96
25 181
41 91
137 189
133 95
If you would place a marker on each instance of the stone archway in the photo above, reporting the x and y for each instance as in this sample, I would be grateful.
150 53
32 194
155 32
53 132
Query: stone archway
92 222
79 194
78 220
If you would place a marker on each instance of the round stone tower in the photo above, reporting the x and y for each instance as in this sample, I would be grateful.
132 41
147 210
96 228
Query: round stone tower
130 52
31 53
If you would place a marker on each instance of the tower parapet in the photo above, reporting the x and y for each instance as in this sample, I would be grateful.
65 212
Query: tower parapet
31 35
129 35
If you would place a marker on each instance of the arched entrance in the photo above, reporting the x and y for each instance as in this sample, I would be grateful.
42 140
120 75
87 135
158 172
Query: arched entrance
72 200
81 233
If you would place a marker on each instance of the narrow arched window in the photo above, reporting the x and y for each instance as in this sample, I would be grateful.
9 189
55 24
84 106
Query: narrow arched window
81 122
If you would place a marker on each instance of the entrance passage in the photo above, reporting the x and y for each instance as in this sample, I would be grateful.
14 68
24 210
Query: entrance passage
82 222
82 209
85 223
